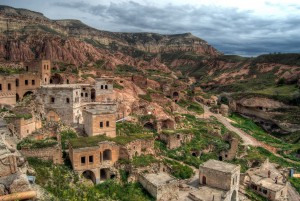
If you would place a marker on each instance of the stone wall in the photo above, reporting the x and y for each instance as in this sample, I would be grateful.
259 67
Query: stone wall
139 147
53 154
214 177
24 127
63 100
164 192
174 141
99 124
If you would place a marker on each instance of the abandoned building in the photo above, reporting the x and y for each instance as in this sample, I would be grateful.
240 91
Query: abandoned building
267 181
21 127
61 102
100 121
211 173
42 67
161 185
14 87
165 124
231 153
137 148
174 140
93 162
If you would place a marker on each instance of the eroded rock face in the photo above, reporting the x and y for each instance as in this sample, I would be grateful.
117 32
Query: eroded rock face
261 102
33 36
2 190
20 184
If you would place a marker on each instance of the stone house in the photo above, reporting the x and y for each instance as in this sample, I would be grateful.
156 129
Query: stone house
100 122
267 181
94 162
174 140
22 127
61 102
161 185
42 67
219 181
15 87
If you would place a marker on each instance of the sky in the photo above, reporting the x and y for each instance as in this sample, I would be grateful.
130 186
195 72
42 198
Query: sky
242 27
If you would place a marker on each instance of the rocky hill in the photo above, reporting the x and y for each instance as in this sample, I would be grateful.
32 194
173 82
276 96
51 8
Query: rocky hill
27 35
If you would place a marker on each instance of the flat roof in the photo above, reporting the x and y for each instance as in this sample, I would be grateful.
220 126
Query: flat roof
206 193
159 179
219 166
96 111
92 141
58 86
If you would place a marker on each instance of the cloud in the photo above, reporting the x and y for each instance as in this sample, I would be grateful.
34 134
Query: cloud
231 30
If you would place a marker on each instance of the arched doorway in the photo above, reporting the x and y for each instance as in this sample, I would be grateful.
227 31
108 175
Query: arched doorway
175 94
203 180
220 158
104 174
56 79
149 126
93 95
88 174
234 196
167 124
17 97
28 93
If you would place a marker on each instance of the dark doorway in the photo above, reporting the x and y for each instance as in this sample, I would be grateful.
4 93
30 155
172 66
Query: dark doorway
93 95
149 126
89 175
17 98
204 180
103 174
107 155
220 158
28 93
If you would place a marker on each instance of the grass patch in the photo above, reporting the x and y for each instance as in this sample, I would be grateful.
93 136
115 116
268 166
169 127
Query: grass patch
116 85
11 71
126 132
178 170
27 143
143 160
146 97
66 136
295 183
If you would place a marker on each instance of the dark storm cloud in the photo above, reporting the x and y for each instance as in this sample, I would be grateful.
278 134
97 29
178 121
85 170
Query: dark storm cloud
228 29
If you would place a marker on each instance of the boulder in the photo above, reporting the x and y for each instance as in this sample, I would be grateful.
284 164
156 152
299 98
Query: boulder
2 189
21 184
224 110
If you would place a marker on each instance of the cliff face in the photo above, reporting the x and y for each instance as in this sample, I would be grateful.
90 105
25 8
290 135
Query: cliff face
27 35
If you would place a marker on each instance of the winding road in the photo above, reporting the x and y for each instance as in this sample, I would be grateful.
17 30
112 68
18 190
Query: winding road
247 139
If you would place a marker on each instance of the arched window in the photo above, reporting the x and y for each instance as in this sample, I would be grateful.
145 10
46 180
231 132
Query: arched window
68 100
107 155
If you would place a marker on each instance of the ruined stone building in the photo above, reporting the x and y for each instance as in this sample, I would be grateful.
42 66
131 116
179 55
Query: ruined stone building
100 121
94 162
161 185
15 87
61 102
219 181
95 157
267 181
175 140
21 127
